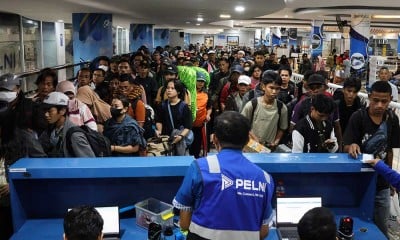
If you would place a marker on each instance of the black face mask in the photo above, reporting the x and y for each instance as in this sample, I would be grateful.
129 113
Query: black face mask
116 112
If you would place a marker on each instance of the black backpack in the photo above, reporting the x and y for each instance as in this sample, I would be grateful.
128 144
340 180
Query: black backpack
149 122
100 144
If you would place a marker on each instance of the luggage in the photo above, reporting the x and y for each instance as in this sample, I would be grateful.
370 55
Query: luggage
159 146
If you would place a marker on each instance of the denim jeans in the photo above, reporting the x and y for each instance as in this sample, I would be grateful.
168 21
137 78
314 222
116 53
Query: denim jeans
381 210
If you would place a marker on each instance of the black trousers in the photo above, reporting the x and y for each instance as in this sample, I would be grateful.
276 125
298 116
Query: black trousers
195 148
6 228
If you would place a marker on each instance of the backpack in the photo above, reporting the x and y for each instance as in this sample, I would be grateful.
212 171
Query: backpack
377 143
149 120
100 144
254 103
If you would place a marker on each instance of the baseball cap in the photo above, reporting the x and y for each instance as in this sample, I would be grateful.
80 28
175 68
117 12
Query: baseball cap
56 99
166 61
66 86
171 69
237 68
8 81
211 52
200 76
315 79
244 79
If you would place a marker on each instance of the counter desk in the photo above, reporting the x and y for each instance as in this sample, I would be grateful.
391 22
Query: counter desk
43 189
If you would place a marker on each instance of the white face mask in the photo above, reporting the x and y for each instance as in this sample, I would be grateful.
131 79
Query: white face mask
104 67
8 96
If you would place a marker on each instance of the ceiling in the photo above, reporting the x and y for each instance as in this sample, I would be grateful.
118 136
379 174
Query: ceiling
183 14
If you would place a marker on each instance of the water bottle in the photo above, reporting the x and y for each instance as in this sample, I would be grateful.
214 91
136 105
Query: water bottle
280 189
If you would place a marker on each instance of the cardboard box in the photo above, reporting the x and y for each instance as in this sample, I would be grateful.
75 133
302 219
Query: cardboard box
255 147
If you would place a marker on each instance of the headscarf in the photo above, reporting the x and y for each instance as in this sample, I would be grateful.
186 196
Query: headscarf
99 108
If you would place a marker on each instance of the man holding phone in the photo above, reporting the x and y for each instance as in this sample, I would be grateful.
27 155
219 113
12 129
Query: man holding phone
315 133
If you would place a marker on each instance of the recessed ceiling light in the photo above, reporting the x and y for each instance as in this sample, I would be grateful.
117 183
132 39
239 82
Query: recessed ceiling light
239 9
385 16
197 24
225 16
200 19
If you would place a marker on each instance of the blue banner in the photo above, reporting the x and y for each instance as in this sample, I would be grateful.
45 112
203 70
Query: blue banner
139 35
358 49
316 39
92 36
161 37
398 44
292 34
276 40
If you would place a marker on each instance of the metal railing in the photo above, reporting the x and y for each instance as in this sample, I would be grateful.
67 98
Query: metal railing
64 72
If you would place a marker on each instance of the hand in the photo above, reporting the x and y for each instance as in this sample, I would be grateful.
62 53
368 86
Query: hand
328 144
208 118
4 190
177 138
354 150
373 162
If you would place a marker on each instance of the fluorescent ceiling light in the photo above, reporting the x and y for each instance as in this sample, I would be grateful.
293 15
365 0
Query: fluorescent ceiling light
239 9
187 22
200 19
385 16
60 20
225 16
197 24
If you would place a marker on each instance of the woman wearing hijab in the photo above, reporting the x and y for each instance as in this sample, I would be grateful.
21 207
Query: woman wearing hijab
78 112
99 108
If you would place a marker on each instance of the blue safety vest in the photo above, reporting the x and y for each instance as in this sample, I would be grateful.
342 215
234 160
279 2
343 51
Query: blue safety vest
236 194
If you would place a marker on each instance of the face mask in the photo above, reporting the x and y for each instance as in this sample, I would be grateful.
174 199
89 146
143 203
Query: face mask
104 67
246 69
116 112
8 96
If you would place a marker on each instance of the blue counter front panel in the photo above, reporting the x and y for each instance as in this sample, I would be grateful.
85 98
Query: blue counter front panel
43 189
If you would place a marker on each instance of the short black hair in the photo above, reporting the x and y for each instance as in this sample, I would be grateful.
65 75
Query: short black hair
322 73
259 52
125 77
232 129
316 224
323 103
352 82
83 223
285 68
105 58
381 87
84 69
270 76
307 75
123 99
47 72
102 71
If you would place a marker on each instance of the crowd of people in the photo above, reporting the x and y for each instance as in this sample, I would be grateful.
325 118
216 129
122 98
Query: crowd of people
132 98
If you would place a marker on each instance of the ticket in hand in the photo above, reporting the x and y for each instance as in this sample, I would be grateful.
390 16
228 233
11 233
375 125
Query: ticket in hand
366 157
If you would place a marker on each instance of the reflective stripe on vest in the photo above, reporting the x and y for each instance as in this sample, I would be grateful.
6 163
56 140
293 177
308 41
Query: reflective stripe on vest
223 234
213 164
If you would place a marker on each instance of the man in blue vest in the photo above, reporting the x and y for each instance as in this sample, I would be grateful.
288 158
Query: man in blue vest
225 196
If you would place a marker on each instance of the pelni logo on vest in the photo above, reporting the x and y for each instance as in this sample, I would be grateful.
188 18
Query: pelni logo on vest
226 182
